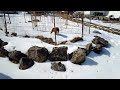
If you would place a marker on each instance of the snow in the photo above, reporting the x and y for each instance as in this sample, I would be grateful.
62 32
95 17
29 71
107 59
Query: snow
105 65
116 14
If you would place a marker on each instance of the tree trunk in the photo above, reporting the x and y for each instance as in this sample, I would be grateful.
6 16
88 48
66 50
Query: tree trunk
32 19
67 19
5 25
82 23
24 18
89 23
9 18
54 20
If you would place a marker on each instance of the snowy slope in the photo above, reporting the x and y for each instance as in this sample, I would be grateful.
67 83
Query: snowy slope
105 65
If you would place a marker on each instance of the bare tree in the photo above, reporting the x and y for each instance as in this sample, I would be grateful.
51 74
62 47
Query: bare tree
25 18
6 32
66 23
33 19
54 27
54 19
82 23
90 22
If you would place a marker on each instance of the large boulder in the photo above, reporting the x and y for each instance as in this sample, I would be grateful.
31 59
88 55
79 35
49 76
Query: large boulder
99 40
25 63
78 56
88 48
59 54
97 49
15 56
58 67
76 39
3 52
38 54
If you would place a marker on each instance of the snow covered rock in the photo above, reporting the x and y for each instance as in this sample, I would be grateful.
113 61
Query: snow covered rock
45 39
97 48
15 56
78 56
59 54
38 54
88 48
76 39
25 63
99 40
96 32
3 52
48 40
58 67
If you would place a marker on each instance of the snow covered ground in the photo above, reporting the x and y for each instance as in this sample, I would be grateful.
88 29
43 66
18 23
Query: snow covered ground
105 65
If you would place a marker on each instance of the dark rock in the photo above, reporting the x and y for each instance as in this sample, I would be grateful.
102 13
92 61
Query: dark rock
26 36
59 54
96 32
38 54
88 48
63 42
1 29
4 43
76 39
45 39
58 67
13 34
48 40
1 41
70 55
25 63
3 52
78 56
97 49
15 56
40 37
99 40
29 21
